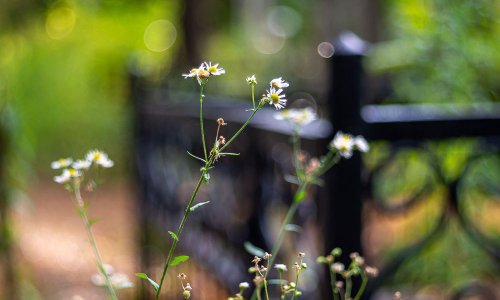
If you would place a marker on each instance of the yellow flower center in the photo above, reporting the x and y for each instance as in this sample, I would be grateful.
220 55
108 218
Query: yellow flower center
97 156
72 172
275 98
212 69
203 74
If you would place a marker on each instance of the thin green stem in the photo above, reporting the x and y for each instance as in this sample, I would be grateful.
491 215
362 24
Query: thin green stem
348 287
253 96
281 284
201 123
362 287
178 234
241 128
296 284
208 163
88 227
265 288
333 283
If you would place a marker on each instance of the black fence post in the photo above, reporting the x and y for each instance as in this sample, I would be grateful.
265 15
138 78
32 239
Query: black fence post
343 220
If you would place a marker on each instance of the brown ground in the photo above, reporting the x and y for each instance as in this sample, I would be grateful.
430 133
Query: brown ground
55 253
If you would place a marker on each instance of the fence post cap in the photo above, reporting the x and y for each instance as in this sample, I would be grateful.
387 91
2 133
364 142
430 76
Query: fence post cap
348 43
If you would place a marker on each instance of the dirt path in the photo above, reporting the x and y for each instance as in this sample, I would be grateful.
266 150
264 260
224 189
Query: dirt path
55 257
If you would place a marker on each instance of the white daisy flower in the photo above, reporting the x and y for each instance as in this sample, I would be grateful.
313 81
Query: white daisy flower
361 144
200 73
61 163
81 164
244 285
251 80
299 117
344 143
100 158
214 69
279 83
276 98
67 175
281 267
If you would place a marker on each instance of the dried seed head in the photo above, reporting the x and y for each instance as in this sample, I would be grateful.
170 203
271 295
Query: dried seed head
182 276
256 260
302 254
188 287
267 256
222 140
220 122
397 296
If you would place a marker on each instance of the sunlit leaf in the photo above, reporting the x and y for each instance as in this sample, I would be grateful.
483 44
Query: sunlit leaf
173 235
151 281
179 259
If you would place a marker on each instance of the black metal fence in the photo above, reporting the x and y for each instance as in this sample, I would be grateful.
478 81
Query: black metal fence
246 188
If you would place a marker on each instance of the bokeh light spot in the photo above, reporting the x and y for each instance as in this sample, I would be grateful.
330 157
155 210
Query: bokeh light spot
160 35
326 49
267 44
283 21
60 22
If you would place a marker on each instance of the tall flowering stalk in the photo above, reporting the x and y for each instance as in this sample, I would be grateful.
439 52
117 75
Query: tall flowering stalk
309 171
202 74
75 175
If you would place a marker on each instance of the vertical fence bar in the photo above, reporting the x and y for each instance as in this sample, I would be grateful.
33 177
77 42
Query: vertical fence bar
343 223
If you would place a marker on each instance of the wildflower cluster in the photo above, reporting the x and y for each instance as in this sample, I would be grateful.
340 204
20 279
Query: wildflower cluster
261 272
74 170
345 144
358 267
186 289
298 117
73 175
204 72
274 95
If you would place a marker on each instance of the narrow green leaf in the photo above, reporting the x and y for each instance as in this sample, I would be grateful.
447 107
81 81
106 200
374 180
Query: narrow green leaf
179 259
276 281
254 250
291 179
228 154
151 281
196 206
194 156
173 235
293 227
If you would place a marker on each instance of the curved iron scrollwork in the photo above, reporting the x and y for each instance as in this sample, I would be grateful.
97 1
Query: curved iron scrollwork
452 206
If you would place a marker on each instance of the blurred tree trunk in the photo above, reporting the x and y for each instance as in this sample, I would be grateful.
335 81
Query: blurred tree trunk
7 258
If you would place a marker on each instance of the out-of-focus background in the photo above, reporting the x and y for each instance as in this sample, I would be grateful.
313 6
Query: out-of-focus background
78 75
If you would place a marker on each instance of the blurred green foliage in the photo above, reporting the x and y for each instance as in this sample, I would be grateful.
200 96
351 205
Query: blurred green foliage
441 50
64 67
